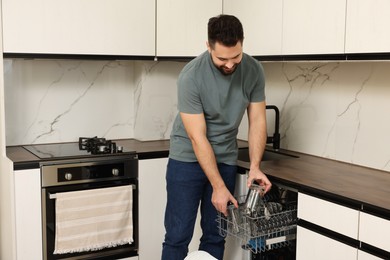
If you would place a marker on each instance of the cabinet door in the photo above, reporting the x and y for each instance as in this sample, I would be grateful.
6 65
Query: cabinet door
329 215
367 27
28 218
262 22
366 256
313 26
152 202
120 27
182 26
374 231
311 245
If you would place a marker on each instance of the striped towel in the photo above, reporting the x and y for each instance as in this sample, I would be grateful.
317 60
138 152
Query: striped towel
91 220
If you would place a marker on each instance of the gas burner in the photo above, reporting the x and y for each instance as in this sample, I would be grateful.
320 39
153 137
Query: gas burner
96 145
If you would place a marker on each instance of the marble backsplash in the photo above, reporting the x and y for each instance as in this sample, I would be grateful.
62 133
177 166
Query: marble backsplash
336 110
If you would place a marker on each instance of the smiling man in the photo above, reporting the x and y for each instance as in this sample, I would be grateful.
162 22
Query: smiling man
214 91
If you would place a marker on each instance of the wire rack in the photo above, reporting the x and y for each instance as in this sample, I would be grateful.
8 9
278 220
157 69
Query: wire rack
272 226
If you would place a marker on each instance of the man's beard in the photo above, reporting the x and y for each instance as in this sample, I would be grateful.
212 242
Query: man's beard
226 71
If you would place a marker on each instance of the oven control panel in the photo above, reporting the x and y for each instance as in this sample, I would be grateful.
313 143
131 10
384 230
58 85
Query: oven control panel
72 173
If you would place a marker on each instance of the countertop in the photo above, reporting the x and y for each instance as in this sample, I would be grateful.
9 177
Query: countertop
354 186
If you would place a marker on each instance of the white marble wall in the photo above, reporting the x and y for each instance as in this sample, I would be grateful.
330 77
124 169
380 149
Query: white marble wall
61 100
336 110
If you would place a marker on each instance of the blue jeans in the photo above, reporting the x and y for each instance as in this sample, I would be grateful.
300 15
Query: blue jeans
187 186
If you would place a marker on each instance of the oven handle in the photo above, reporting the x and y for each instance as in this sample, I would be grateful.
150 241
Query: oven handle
53 196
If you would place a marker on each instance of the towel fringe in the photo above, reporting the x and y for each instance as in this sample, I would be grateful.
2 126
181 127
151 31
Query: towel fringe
94 248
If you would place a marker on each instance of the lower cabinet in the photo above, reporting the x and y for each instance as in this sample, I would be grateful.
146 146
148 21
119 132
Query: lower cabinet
28 223
341 221
311 245
366 256
374 231
152 201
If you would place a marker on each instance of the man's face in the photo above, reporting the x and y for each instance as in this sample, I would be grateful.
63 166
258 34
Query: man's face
226 59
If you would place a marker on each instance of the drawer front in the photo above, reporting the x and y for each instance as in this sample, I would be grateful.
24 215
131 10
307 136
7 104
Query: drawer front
313 246
374 231
328 215
366 256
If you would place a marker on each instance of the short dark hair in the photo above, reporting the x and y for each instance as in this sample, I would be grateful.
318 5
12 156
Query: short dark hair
225 29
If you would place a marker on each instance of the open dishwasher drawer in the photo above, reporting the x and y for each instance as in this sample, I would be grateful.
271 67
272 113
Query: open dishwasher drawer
270 226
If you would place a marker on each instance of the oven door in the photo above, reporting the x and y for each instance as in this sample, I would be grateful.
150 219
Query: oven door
49 222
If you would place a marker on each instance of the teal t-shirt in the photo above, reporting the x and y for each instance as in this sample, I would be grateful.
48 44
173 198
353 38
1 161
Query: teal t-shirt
202 88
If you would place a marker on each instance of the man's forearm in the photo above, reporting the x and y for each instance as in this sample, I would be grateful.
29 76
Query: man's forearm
206 158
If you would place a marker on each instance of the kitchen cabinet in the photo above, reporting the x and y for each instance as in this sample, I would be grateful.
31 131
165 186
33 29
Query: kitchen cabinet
152 201
374 231
28 221
331 216
262 22
367 26
313 26
100 27
182 26
328 215
311 245
366 256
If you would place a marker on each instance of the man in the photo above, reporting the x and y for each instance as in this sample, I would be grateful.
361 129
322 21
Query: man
214 90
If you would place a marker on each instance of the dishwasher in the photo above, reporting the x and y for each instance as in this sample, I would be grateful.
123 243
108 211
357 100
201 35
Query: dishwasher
263 226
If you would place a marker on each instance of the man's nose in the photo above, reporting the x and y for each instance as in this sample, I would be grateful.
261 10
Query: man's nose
229 64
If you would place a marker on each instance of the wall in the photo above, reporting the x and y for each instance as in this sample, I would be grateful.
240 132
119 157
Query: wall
330 109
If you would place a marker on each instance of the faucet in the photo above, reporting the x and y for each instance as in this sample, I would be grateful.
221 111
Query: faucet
275 138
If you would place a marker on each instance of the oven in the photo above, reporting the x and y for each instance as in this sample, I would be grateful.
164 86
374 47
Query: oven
88 176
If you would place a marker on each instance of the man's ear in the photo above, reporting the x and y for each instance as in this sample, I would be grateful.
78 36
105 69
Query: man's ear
208 46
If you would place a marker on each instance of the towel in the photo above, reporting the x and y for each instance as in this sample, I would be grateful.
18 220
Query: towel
91 220
199 255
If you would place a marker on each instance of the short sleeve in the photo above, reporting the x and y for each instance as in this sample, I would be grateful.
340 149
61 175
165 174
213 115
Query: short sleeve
258 91
188 95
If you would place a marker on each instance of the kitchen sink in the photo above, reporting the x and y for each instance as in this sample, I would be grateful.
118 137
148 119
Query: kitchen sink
243 155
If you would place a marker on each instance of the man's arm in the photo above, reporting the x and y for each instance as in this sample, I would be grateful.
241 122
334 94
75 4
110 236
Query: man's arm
195 125
257 138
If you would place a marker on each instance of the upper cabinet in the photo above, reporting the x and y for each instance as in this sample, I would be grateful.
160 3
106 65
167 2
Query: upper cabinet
262 22
313 26
177 28
367 26
96 27
182 26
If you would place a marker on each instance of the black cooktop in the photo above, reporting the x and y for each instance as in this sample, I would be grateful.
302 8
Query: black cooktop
68 150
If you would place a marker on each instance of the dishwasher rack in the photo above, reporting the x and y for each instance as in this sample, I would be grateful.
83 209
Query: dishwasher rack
272 227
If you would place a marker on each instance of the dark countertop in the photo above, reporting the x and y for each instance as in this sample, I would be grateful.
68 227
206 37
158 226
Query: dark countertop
354 186
23 159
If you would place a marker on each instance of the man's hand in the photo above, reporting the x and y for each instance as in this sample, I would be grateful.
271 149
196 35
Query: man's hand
258 176
220 199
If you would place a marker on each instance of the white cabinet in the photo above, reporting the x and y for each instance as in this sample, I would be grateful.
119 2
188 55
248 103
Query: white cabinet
367 27
262 22
28 223
329 215
313 26
311 245
120 27
334 217
374 231
182 26
366 256
152 202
